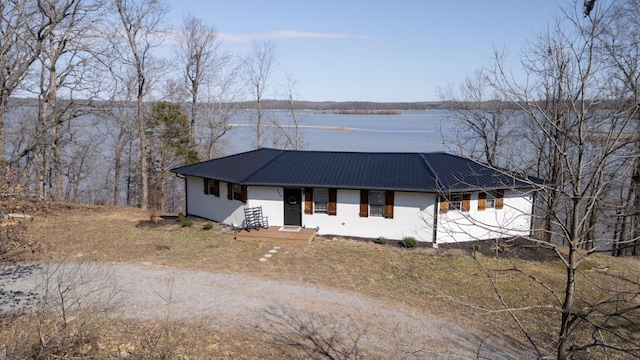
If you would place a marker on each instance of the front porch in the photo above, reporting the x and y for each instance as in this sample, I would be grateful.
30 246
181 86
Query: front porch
278 234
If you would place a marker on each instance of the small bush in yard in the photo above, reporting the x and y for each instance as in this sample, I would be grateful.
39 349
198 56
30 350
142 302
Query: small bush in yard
409 242
207 226
181 217
380 240
187 223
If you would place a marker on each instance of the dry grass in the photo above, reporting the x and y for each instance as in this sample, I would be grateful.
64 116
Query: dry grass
448 283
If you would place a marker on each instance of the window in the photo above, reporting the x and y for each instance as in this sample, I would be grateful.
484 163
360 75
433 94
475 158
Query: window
490 200
237 192
376 203
321 201
212 187
457 201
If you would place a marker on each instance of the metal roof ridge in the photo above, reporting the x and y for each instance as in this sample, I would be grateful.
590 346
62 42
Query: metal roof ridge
270 160
354 152
426 162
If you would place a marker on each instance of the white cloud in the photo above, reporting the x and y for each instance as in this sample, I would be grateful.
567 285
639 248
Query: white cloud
289 34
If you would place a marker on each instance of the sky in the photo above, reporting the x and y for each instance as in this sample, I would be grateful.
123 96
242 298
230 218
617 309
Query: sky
375 50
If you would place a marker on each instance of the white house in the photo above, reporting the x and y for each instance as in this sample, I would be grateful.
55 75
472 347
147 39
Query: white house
434 197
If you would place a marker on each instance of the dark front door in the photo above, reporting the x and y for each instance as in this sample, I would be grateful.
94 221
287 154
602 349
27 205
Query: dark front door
293 207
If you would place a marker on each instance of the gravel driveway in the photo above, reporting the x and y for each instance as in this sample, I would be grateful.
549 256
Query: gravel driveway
235 300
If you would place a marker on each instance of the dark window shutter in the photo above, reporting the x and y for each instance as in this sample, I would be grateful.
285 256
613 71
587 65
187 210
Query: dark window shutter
216 188
244 194
444 205
364 203
388 204
308 200
333 202
206 186
229 191
466 203
499 199
482 201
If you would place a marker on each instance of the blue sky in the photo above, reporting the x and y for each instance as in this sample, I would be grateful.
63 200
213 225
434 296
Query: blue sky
353 50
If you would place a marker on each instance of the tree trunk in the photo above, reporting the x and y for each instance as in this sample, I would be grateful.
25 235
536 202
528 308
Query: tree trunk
117 167
259 125
635 216
567 307
144 176
194 104
4 99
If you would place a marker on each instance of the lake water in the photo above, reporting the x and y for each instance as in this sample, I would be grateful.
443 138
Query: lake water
89 144
411 131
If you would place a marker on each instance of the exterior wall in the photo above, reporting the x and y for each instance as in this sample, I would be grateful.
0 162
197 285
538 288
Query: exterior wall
231 212
514 219
271 200
210 207
413 214
410 212
409 218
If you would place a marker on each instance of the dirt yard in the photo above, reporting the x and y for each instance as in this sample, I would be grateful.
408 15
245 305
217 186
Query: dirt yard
193 291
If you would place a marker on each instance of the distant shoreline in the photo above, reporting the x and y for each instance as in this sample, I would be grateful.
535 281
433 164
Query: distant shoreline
321 127
325 107
348 107
364 112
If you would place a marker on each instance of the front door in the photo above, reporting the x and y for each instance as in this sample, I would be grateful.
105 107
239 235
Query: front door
293 207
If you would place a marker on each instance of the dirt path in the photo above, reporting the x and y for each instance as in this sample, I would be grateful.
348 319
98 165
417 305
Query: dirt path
254 304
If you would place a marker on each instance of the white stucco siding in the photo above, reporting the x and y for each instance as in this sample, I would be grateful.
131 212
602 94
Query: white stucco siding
408 218
514 219
413 214
211 207
230 212
270 198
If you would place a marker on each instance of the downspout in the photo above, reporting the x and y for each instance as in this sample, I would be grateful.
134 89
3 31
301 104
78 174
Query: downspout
437 204
435 222
533 214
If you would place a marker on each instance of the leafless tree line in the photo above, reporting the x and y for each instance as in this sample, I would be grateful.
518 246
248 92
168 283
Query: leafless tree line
573 121
93 69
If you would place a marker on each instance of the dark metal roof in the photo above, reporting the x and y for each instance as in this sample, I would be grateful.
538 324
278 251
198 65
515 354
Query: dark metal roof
425 172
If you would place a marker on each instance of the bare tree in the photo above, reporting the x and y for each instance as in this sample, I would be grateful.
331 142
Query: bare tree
579 132
119 125
619 43
141 29
65 319
199 55
485 124
257 67
23 27
295 141
66 57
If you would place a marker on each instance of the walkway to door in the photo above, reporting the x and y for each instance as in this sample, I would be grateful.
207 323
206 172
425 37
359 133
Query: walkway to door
280 235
